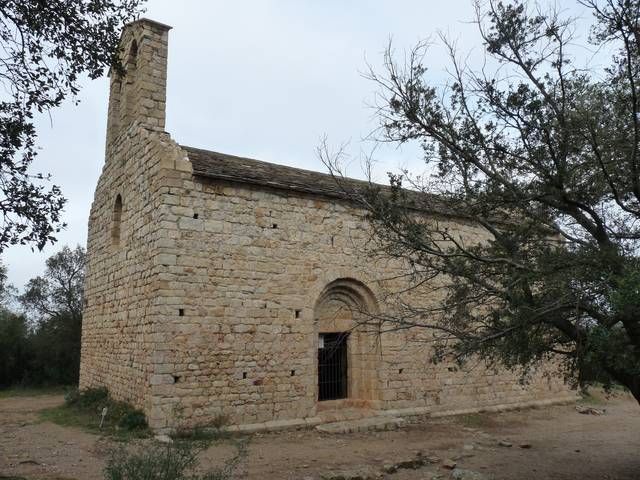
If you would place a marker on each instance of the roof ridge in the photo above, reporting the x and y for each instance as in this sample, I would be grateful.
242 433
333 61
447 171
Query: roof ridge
279 165
232 168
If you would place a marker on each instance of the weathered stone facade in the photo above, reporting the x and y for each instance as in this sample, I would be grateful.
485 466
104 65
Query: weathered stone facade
207 289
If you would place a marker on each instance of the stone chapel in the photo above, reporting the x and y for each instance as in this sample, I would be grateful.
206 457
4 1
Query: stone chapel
218 286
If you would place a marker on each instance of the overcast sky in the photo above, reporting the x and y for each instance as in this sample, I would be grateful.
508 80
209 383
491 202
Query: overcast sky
263 78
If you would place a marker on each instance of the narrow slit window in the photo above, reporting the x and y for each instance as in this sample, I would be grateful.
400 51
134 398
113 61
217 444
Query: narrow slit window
116 221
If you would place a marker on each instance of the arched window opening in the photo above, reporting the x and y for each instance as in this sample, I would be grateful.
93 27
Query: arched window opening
127 86
116 221
115 99
132 58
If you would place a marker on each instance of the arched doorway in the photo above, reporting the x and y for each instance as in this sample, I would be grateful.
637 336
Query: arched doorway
348 343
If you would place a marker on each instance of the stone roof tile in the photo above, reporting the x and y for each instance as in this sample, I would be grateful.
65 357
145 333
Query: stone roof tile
247 170
222 166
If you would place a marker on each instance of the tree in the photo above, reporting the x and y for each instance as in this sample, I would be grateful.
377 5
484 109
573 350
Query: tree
13 334
14 350
543 159
59 292
53 303
47 46
4 287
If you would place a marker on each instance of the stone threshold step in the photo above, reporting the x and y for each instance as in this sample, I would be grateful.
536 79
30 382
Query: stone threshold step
362 425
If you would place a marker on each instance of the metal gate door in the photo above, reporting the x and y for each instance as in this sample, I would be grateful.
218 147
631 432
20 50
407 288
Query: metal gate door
332 366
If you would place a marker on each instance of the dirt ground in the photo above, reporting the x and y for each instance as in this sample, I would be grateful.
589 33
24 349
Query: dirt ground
563 445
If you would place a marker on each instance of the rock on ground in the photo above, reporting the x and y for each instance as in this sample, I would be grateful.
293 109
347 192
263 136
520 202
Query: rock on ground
461 474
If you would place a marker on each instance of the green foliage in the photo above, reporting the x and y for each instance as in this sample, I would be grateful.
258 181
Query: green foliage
90 398
54 303
14 348
538 162
133 420
610 347
120 415
175 461
47 48
162 462
59 292
4 287
625 297
83 408
43 348
54 346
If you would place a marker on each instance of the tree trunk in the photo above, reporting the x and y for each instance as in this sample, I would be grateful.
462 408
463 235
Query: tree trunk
632 382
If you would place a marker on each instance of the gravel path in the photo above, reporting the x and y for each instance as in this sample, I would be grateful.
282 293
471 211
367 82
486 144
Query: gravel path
562 445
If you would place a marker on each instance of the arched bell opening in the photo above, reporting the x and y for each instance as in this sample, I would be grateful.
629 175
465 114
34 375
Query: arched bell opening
127 85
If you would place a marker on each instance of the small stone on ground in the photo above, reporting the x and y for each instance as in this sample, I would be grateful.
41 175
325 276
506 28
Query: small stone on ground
461 474
449 464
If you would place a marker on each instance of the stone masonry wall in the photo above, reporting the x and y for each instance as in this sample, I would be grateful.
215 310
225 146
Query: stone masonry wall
246 266
205 299
116 346
118 322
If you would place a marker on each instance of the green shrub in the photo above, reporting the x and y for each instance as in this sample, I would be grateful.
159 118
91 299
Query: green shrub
84 408
159 462
133 420
90 398
175 461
